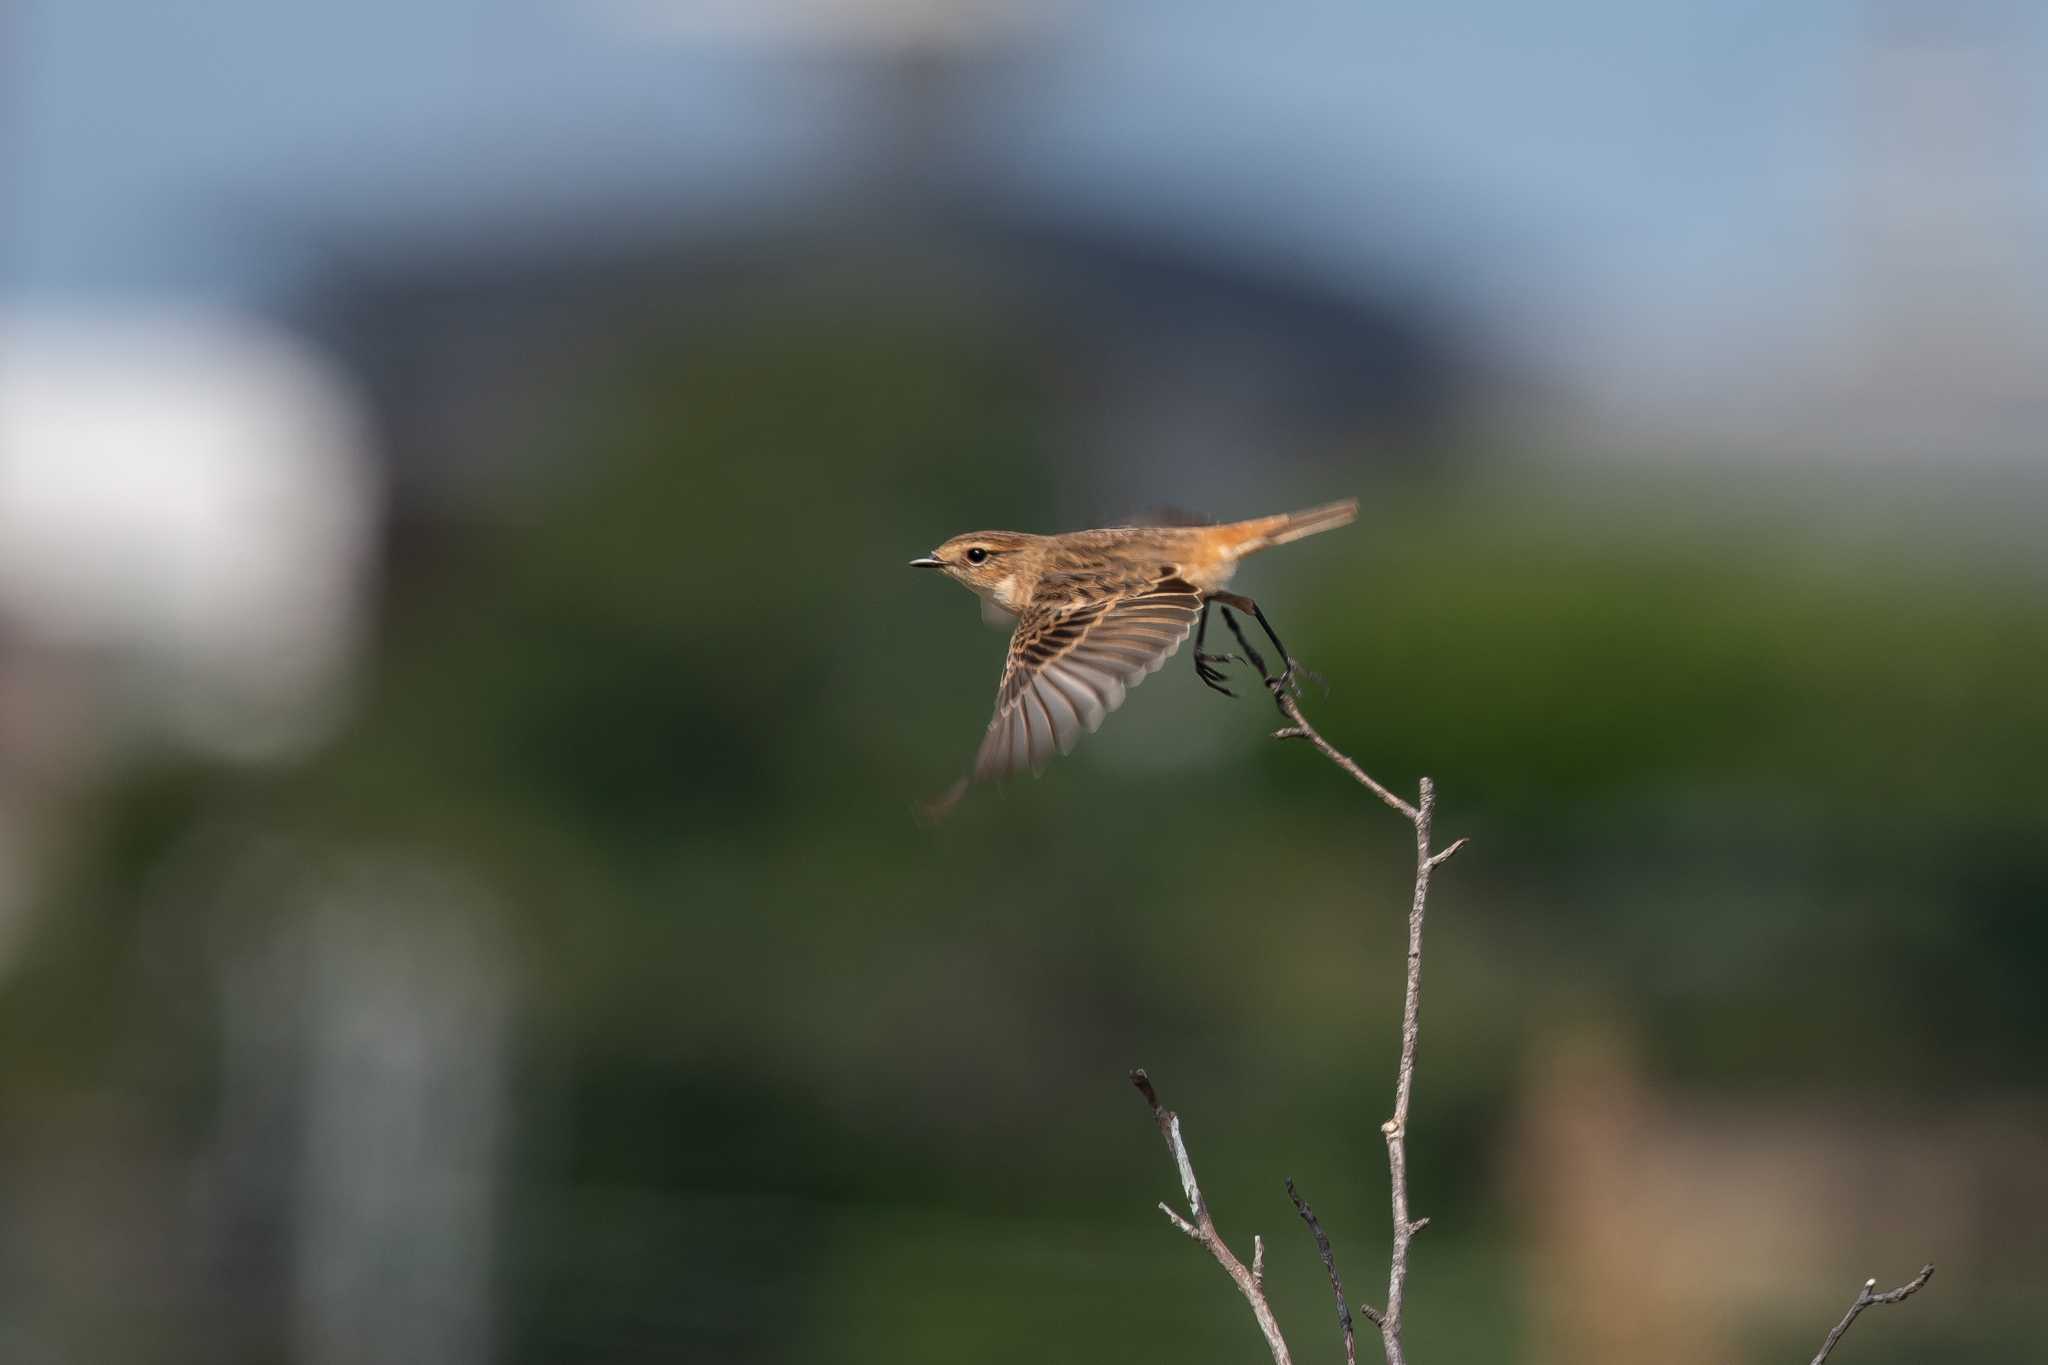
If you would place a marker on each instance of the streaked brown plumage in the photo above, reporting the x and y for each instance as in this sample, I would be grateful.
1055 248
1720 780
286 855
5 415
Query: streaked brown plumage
1099 611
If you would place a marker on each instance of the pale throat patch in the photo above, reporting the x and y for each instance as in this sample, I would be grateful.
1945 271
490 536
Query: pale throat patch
996 598
1003 594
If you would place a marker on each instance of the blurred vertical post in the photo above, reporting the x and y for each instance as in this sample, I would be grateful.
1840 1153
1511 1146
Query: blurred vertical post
403 1022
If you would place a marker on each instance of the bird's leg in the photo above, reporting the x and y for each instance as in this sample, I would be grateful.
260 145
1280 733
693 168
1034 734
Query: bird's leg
1205 663
1286 676
1252 656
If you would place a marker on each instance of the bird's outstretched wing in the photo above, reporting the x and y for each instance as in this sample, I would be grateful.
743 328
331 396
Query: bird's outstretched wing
1070 665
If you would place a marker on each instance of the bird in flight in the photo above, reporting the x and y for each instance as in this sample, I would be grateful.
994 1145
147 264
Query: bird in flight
1099 611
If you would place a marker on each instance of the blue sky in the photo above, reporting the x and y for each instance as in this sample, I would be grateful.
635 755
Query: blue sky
1549 161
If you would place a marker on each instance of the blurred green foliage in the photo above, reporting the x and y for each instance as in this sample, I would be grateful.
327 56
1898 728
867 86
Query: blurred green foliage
801 1079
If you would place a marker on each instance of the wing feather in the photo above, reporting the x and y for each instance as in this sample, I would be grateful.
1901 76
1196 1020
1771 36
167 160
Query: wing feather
1070 666
1081 697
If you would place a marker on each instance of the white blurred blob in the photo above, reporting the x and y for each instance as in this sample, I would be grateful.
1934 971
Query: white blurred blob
187 505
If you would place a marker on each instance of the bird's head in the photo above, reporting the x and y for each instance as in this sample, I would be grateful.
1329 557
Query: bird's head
993 564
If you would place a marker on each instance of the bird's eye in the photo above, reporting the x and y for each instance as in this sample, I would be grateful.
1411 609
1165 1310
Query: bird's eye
976 555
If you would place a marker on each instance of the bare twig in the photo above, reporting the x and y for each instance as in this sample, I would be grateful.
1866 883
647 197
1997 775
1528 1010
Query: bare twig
1301 729
1396 1128
1867 1297
1250 1282
1315 1228
1427 860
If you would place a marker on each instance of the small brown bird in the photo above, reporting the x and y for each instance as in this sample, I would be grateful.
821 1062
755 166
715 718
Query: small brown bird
1097 611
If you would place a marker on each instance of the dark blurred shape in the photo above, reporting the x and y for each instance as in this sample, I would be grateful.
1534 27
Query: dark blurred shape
1162 363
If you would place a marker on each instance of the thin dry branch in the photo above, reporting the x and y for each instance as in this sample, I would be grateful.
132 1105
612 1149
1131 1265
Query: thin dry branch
1301 729
1250 1282
1315 1228
1420 814
1867 1297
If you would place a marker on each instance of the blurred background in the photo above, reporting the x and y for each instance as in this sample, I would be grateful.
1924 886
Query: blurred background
462 701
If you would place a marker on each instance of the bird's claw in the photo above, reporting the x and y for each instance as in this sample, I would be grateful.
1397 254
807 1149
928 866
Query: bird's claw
1296 671
1288 680
1209 675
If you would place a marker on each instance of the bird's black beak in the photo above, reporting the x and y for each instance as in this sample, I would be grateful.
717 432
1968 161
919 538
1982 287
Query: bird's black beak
928 563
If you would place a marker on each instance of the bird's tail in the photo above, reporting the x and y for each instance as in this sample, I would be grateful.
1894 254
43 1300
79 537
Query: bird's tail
1262 533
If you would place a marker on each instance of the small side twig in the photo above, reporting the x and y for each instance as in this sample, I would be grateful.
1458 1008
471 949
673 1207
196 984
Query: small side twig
1315 1228
1301 729
1250 1281
1867 1297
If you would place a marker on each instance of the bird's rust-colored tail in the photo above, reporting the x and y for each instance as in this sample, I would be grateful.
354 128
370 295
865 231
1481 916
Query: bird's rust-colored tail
1262 533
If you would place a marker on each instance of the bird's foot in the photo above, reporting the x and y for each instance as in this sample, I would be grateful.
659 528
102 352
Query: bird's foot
1296 671
1211 677
1287 682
